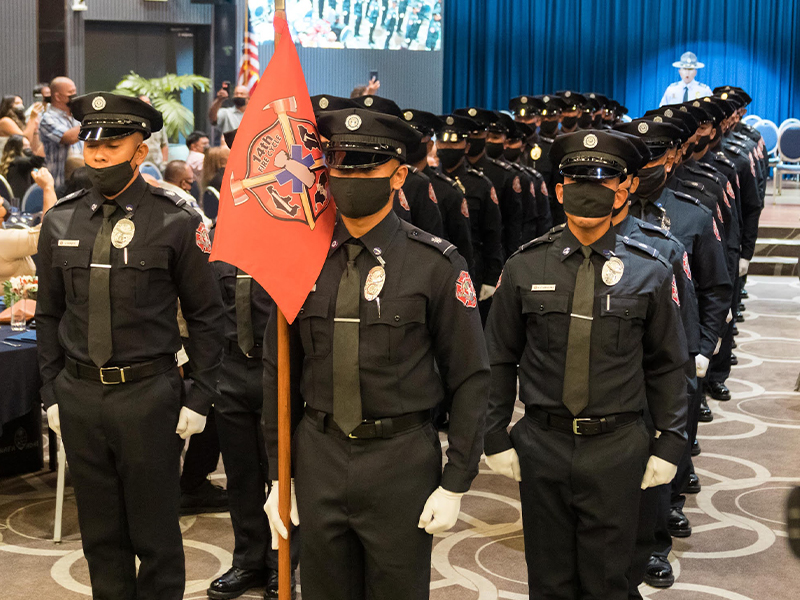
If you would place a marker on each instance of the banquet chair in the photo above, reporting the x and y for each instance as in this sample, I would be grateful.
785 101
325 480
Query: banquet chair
751 120
211 203
789 154
148 168
33 200
5 189
789 123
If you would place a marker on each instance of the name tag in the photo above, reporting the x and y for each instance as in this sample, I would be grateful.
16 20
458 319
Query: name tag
544 288
69 243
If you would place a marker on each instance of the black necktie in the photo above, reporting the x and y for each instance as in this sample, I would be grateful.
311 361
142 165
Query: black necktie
685 93
244 315
346 384
100 348
576 369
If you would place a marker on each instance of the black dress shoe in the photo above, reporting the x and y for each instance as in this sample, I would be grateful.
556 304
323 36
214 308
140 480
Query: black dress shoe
735 329
659 573
271 590
205 498
677 524
235 582
705 412
734 359
693 486
744 294
739 317
742 307
718 391
696 448
733 344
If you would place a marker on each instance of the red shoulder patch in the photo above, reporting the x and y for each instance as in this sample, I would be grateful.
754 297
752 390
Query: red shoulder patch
432 194
403 201
675 297
729 189
686 268
465 291
202 239
464 208
716 231
544 190
517 185
493 194
719 214
499 279
532 190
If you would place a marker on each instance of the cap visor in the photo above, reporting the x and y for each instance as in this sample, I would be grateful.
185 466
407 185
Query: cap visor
97 133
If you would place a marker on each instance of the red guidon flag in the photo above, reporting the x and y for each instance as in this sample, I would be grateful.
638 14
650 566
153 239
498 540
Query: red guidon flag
275 216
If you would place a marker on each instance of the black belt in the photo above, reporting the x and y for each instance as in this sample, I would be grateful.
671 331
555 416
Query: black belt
116 375
233 348
378 428
586 426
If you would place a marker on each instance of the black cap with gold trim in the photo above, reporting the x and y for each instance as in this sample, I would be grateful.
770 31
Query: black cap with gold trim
593 155
106 116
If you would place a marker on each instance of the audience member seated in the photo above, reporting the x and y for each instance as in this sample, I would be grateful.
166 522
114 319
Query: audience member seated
17 161
214 167
178 178
197 142
59 129
157 144
17 245
12 120
73 163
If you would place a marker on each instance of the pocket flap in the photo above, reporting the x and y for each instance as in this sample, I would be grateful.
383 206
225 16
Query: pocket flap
316 305
624 307
545 302
146 258
397 312
70 258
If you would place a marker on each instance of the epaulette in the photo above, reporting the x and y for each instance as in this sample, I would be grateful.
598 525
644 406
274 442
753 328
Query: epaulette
449 180
550 236
686 197
655 229
71 197
412 169
735 150
709 168
500 164
694 184
477 173
703 173
169 194
640 246
558 228
721 158
420 174
442 245
739 144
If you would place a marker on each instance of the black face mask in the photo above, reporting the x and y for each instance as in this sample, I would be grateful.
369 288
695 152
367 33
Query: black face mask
494 149
585 121
356 197
588 200
690 150
597 121
70 99
569 122
548 128
239 102
20 112
450 157
421 152
701 144
651 182
512 154
717 138
476 146
110 181
616 211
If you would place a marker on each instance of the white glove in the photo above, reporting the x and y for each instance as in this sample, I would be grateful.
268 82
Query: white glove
729 316
441 511
276 526
487 291
744 264
189 423
658 472
54 420
505 463
701 365
717 347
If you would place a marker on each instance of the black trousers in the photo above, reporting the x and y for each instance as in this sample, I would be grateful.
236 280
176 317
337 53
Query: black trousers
245 457
124 457
580 502
202 455
685 465
720 367
359 503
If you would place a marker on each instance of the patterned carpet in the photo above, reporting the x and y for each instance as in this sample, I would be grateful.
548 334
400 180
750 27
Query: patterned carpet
738 549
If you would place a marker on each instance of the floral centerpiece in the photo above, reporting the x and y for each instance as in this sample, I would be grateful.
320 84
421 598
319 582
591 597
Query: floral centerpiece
17 288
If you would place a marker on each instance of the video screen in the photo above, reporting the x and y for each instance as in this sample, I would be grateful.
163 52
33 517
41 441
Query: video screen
371 24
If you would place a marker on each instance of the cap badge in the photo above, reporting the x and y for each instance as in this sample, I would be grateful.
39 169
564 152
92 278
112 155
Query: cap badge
567 94
408 115
612 271
658 120
684 109
724 96
642 128
472 112
353 122
449 120
668 113
592 95
696 104
546 99
590 141
323 103
368 101
98 103
524 99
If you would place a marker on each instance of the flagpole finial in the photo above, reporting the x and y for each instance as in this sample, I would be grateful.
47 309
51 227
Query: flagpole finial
280 5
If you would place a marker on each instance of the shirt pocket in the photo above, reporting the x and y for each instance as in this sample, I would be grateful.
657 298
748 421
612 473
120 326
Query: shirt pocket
145 275
74 266
621 321
315 327
397 333
548 317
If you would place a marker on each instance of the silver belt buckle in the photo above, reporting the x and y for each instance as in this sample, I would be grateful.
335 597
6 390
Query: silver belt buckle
575 425
104 370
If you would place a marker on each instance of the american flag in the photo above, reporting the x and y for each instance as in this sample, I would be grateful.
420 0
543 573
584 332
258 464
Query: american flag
249 70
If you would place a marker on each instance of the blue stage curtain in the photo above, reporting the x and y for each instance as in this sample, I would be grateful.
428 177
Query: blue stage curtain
497 49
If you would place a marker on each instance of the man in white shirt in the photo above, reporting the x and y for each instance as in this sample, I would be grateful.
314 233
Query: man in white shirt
687 88
197 142
228 118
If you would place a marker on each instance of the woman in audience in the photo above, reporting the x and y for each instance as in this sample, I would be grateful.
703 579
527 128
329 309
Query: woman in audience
17 245
214 167
18 161
12 121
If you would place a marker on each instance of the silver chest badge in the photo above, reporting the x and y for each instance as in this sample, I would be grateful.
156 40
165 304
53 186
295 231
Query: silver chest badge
612 271
122 234
375 280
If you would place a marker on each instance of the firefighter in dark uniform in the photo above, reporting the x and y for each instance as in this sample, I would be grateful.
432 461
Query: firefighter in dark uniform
527 110
390 323
415 202
484 210
591 322
505 180
114 261
247 308
573 108
451 200
548 131
589 109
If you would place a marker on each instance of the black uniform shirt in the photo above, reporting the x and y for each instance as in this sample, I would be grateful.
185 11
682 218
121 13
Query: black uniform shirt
751 200
426 337
638 348
508 187
455 214
416 203
165 261
261 304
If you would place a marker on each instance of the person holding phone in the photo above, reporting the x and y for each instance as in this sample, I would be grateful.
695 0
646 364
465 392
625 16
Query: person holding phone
228 118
